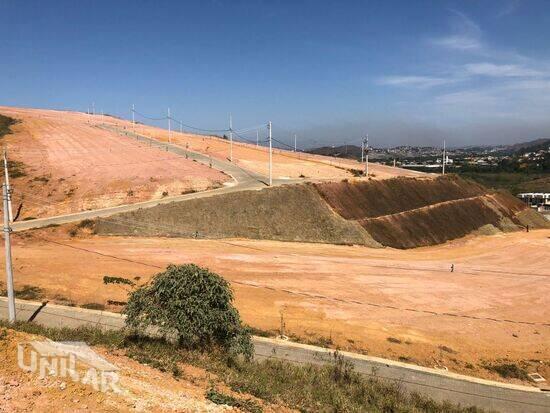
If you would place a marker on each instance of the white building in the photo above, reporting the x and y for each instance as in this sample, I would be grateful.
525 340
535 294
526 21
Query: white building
538 200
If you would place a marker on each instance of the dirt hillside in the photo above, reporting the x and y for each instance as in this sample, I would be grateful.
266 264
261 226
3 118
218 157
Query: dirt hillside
142 388
409 213
362 199
287 213
62 162
398 212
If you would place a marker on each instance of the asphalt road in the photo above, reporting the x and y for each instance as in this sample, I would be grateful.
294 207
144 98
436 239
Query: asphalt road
242 180
438 385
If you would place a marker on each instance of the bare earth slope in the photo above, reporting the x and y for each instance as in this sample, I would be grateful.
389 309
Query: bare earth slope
398 212
286 164
141 388
408 213
287 213
371 199
68 164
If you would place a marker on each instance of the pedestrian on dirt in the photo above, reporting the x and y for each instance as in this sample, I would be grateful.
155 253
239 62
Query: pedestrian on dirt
527 227
452 268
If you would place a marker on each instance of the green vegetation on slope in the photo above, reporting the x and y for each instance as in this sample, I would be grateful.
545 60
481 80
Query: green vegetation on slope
514 182
331 388
5 125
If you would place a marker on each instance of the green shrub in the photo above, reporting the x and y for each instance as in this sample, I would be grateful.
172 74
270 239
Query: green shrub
192 305
508 370
220 398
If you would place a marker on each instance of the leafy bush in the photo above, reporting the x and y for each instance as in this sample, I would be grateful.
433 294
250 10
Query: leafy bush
508 370
193 305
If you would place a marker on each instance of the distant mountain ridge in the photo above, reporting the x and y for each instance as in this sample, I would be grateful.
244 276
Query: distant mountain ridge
353 151
342 151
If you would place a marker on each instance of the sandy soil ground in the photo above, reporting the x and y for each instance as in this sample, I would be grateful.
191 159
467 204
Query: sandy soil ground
406 305
142 388
75 166
286 164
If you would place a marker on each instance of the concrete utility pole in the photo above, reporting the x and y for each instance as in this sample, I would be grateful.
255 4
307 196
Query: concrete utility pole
133 118
93 108
230 138
362 150
270 155
294 142
367 155
257 137
7 180
444 159
9 268
169 127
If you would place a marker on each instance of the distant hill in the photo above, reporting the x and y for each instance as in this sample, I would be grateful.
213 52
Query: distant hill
342 151
530 146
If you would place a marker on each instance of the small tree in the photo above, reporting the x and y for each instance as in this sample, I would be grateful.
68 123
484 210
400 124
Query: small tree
192 304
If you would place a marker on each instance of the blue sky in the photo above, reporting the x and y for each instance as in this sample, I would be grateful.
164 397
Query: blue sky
406 72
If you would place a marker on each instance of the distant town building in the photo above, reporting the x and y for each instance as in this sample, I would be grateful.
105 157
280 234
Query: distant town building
537 200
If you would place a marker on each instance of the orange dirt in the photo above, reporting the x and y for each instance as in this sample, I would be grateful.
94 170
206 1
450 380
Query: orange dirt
286 164
72 165
142 388
347 296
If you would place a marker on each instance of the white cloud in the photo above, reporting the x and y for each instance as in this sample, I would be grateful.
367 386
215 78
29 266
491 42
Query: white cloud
509 8
466 34
416 81
510 70
459 42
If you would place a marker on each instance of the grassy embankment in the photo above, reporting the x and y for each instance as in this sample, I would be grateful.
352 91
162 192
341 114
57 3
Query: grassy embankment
335 387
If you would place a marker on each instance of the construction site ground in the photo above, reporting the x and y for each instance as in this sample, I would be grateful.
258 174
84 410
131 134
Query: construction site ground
406 305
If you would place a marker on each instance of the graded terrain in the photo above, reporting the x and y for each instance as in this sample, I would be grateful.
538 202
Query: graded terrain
406 305
307 256
65 163
397 212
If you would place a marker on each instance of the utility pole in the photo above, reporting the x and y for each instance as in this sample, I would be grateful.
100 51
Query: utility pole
294 142
93 108
230 138
444 159
270 155
9 268
169 128
362 150
257 137
367 155
133 118
7 180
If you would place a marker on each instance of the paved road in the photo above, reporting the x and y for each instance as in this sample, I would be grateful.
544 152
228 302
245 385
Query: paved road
436 384
242 180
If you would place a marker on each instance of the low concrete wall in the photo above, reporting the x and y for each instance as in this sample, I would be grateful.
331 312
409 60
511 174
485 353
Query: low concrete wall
439 385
